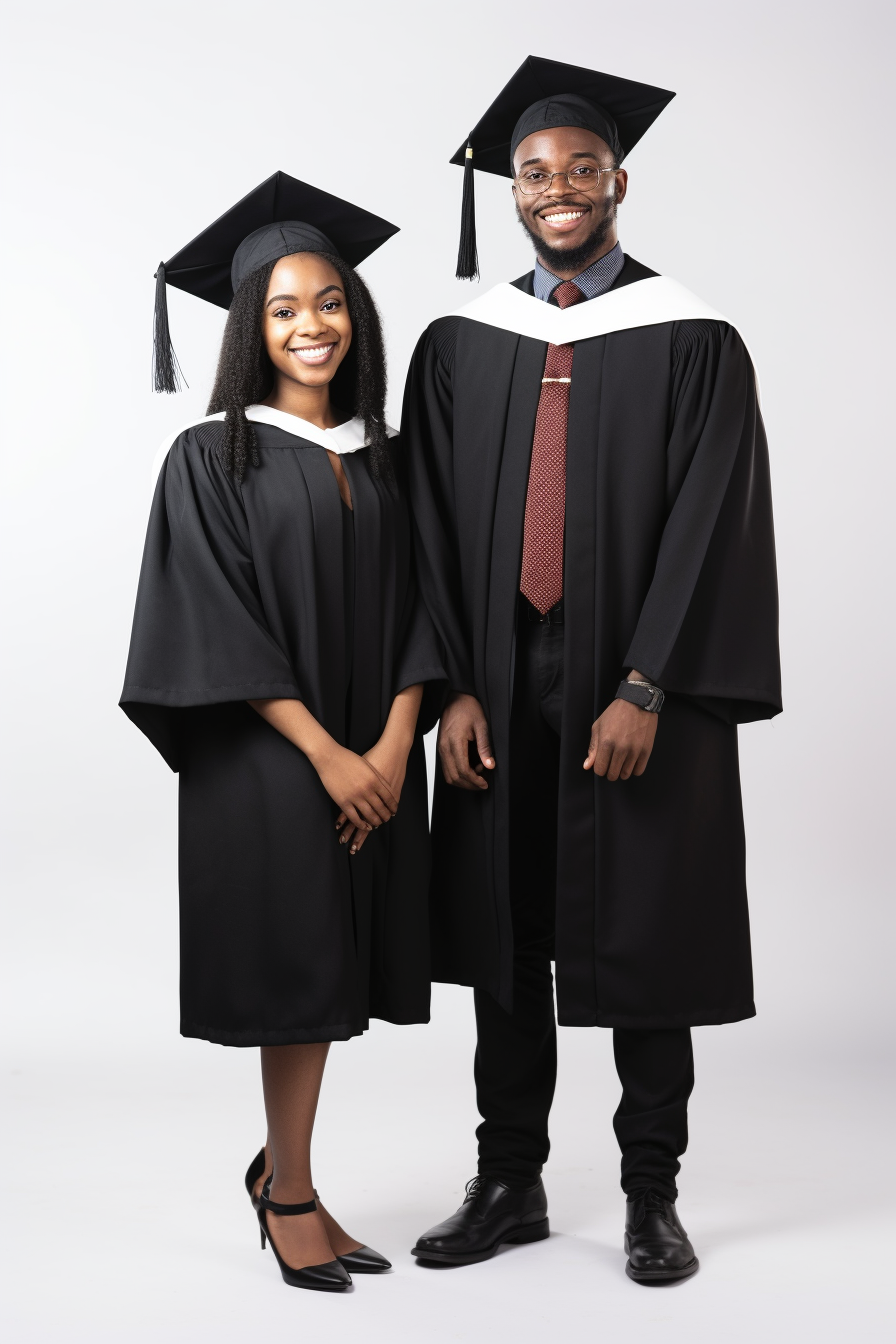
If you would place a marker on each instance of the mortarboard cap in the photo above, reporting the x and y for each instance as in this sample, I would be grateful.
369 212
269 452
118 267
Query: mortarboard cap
280 217
544 94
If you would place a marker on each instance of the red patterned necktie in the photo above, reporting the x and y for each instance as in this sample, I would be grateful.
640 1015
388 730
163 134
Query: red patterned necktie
541 579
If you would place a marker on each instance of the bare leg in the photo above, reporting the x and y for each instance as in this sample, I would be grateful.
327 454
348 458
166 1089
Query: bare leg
291 1076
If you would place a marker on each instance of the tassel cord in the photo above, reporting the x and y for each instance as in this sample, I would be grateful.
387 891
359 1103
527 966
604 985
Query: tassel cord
167 375
467 256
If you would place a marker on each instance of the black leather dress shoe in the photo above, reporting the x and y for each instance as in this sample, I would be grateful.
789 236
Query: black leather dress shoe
491 1216
656 1243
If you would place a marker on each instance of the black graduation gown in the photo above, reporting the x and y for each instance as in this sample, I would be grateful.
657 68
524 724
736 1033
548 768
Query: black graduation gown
284 937
670 569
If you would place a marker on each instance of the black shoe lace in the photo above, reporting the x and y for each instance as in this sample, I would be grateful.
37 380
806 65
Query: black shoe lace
473 1187
656 1204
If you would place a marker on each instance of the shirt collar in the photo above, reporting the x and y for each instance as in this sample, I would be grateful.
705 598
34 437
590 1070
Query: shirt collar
594 281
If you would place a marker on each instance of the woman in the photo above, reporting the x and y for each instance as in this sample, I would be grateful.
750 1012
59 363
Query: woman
278 661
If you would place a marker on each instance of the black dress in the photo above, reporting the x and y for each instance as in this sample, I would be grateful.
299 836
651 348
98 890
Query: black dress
670 569
248 592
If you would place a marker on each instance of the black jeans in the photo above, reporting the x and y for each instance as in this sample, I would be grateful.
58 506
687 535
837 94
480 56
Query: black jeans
516 1056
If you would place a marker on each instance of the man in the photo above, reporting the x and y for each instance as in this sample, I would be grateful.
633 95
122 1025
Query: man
590 484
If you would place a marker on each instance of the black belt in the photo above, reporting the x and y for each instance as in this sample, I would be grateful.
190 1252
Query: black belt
554 616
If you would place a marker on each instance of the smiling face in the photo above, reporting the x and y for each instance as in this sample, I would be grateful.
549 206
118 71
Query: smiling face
306 326
570 225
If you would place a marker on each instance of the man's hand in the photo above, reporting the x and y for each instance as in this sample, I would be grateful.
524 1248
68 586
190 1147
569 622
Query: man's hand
621 741
463 722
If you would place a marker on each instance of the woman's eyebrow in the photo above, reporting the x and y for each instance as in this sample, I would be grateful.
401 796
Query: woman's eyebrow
292 298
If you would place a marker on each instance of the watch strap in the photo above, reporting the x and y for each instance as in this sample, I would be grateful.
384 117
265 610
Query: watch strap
641 693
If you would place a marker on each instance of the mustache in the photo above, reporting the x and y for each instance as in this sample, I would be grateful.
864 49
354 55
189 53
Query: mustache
562 204
572 258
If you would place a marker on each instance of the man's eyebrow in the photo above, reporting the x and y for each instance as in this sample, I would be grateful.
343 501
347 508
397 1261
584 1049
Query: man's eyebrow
579 154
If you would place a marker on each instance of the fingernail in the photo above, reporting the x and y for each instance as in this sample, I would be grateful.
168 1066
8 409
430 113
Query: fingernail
353 850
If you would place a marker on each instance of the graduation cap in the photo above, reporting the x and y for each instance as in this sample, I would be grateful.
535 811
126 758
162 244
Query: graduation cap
541 95
280 217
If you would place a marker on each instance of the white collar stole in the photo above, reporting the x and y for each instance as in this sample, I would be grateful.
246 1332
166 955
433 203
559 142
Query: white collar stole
644 303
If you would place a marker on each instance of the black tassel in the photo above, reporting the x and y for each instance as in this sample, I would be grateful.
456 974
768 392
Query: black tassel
467 258
166 372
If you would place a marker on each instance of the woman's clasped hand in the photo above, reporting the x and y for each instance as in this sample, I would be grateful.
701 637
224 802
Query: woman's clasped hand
388 762
363 794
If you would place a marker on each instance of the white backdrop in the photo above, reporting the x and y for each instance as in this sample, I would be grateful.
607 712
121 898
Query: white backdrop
766 187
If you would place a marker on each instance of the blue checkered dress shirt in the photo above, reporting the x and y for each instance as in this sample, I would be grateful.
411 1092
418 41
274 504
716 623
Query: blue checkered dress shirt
598 278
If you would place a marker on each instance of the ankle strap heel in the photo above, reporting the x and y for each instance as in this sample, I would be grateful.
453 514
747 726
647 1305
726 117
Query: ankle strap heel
286 1210
330 1277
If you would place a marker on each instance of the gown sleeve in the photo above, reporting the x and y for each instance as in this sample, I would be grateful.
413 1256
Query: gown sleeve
709 625
427 433
199 636
420 659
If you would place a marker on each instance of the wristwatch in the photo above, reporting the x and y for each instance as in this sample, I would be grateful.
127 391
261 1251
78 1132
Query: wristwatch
643 694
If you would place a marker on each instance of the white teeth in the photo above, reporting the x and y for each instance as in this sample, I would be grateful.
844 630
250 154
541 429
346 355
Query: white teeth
562 217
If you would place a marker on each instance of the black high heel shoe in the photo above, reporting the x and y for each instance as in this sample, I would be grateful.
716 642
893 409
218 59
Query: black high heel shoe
331 1277
256 1169
365 1260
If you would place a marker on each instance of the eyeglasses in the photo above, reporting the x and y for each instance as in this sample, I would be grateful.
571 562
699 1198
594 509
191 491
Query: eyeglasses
581 178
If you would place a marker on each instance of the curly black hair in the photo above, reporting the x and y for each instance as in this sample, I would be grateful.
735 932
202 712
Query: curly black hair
245 374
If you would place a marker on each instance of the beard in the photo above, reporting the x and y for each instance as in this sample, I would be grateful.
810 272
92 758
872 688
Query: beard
573 258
